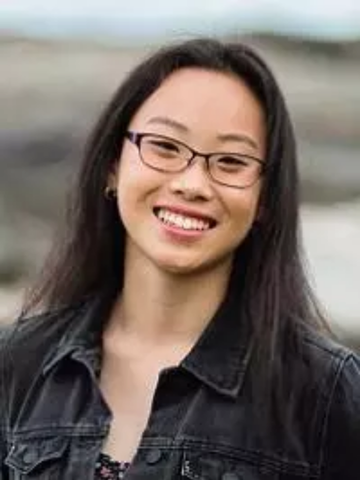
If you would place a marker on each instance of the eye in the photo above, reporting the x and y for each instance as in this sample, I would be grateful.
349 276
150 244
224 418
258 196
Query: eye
162 146
232 162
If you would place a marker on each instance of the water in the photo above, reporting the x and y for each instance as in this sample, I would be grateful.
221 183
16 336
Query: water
332 242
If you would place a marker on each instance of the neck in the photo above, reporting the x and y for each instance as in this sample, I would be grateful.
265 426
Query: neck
161 307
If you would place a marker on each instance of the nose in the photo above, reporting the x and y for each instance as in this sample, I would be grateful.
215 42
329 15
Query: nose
194 182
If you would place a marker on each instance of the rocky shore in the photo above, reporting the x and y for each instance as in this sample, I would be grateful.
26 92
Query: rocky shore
52 92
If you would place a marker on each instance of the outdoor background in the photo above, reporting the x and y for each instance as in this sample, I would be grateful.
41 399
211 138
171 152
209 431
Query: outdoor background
60 63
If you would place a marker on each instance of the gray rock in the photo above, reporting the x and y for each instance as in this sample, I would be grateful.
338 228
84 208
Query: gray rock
52 92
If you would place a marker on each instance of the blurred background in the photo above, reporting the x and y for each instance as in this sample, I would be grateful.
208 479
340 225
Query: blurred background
60 62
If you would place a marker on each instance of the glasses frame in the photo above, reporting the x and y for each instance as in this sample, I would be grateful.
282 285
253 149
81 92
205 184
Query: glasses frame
136 139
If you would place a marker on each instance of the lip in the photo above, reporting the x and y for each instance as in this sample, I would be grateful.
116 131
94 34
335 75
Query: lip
187 212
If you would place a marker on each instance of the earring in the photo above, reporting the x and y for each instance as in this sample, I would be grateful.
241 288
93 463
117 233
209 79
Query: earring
109 193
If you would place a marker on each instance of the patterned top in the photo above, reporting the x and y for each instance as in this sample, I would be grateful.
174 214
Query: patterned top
109 469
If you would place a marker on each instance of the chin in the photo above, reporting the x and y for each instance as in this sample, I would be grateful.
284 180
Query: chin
186 267
178 268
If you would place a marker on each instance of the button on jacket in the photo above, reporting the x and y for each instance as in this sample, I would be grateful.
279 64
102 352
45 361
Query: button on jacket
201 427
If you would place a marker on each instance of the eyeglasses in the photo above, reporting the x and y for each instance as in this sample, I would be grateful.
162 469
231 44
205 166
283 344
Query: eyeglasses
165 154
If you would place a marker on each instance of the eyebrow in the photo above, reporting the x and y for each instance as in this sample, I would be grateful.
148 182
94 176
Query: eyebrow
169 122
224 137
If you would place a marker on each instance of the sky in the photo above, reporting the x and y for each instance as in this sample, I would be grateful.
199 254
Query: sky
144 18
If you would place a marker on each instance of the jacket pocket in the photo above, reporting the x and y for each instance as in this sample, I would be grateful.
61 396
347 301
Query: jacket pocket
208 466
35 458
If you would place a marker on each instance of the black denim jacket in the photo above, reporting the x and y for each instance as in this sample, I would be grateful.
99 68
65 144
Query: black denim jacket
54 419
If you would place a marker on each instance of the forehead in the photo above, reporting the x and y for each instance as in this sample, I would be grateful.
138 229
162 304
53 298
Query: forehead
203 98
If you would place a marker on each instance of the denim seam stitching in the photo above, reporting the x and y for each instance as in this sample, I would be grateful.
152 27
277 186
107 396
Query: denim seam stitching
338 372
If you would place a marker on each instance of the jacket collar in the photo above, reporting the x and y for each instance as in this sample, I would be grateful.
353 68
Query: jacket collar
81 338
219 358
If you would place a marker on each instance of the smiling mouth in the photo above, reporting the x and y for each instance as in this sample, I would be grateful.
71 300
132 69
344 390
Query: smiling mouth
184 222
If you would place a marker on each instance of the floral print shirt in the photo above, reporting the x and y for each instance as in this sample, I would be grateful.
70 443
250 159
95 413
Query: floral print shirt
109 469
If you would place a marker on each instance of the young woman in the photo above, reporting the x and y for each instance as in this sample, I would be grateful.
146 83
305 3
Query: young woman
177 335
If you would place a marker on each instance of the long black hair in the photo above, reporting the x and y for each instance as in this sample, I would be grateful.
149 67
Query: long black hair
276 296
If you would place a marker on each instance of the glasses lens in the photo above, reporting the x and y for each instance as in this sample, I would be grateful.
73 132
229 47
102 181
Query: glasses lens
234 170
168 155
164 153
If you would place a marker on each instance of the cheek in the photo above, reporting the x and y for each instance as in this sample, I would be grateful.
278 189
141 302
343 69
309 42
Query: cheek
129 175
126 185
244 206
126 169
136 184
243 218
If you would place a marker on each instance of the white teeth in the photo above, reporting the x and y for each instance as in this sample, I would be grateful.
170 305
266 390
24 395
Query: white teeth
181 221
187 223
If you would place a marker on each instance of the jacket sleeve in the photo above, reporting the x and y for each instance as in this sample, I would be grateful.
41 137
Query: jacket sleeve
342 439
3 402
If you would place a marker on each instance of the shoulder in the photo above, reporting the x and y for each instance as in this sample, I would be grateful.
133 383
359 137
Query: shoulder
326 352
337 375
342 440
37 333
26 344
333 363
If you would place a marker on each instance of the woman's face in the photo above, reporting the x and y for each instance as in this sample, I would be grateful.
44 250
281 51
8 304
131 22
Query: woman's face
185 222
